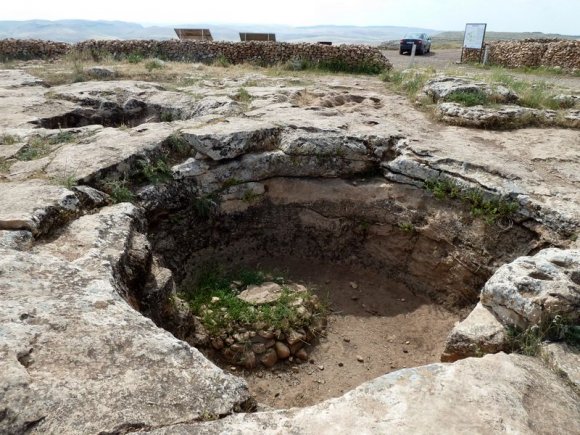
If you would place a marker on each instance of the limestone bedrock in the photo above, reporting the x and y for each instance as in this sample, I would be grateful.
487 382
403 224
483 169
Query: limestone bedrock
339 158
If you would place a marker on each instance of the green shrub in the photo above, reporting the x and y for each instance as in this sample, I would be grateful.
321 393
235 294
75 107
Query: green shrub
333 66
221 61
134 58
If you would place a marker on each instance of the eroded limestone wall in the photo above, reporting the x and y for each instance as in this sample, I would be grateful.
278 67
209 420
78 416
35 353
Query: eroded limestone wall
264 53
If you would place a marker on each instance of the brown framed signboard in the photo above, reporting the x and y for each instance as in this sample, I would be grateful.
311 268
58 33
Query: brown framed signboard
473 37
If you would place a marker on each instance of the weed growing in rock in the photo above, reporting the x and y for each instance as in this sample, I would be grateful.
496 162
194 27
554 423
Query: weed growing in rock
156 172
250 196
76 59
119 191
4 166
40 146
230 182
243 96
178 144
205 206
528 341
407 227
491 210
68 181
9 139
166 117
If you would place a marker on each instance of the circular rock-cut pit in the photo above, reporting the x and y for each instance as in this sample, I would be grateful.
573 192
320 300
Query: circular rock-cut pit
395 266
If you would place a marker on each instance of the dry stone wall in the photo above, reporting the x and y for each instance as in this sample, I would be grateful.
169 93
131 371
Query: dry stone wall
536 52
531 53
264 53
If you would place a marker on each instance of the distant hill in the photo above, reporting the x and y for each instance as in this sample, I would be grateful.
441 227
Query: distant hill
455 39
79 30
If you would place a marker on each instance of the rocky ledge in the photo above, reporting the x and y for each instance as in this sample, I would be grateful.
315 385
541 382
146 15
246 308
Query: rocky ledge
338 168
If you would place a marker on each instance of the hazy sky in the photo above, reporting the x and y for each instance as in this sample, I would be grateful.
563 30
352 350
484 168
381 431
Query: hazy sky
558 16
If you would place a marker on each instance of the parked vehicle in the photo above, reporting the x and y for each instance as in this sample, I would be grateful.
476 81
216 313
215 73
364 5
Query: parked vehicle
421 40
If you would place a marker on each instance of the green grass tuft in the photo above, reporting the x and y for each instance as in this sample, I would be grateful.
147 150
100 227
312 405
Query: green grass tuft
491 210
119 191
134 58
528 341
243 96
468 99
156 172
8 139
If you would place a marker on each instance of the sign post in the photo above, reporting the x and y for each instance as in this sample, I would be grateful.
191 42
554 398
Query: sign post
473 37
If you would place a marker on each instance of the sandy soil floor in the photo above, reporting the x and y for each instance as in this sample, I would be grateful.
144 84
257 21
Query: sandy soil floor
375 326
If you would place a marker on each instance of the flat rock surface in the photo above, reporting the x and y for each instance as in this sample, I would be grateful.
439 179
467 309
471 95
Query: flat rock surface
418 401
110 149
34 205
261 294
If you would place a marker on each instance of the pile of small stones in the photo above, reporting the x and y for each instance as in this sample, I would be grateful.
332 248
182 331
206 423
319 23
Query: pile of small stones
250 346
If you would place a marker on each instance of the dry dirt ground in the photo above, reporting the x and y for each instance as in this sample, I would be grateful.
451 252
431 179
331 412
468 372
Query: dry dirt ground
375 326
437 58
449 58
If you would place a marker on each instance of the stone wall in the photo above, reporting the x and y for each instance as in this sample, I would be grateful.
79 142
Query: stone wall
536 52
263 53
25 49
531 53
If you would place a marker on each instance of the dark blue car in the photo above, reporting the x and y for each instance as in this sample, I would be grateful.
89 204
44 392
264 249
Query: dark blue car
421 40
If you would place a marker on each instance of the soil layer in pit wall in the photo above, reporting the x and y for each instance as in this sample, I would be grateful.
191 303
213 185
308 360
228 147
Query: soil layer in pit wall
376 328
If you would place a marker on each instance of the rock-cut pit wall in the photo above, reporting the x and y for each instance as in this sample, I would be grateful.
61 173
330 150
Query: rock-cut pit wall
264 53
531 53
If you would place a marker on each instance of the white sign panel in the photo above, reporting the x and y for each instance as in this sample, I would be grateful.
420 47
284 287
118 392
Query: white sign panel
474 34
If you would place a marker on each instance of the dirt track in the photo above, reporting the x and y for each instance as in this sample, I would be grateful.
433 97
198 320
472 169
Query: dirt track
437 58
450 57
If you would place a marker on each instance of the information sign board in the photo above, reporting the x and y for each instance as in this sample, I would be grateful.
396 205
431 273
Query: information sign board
474 35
